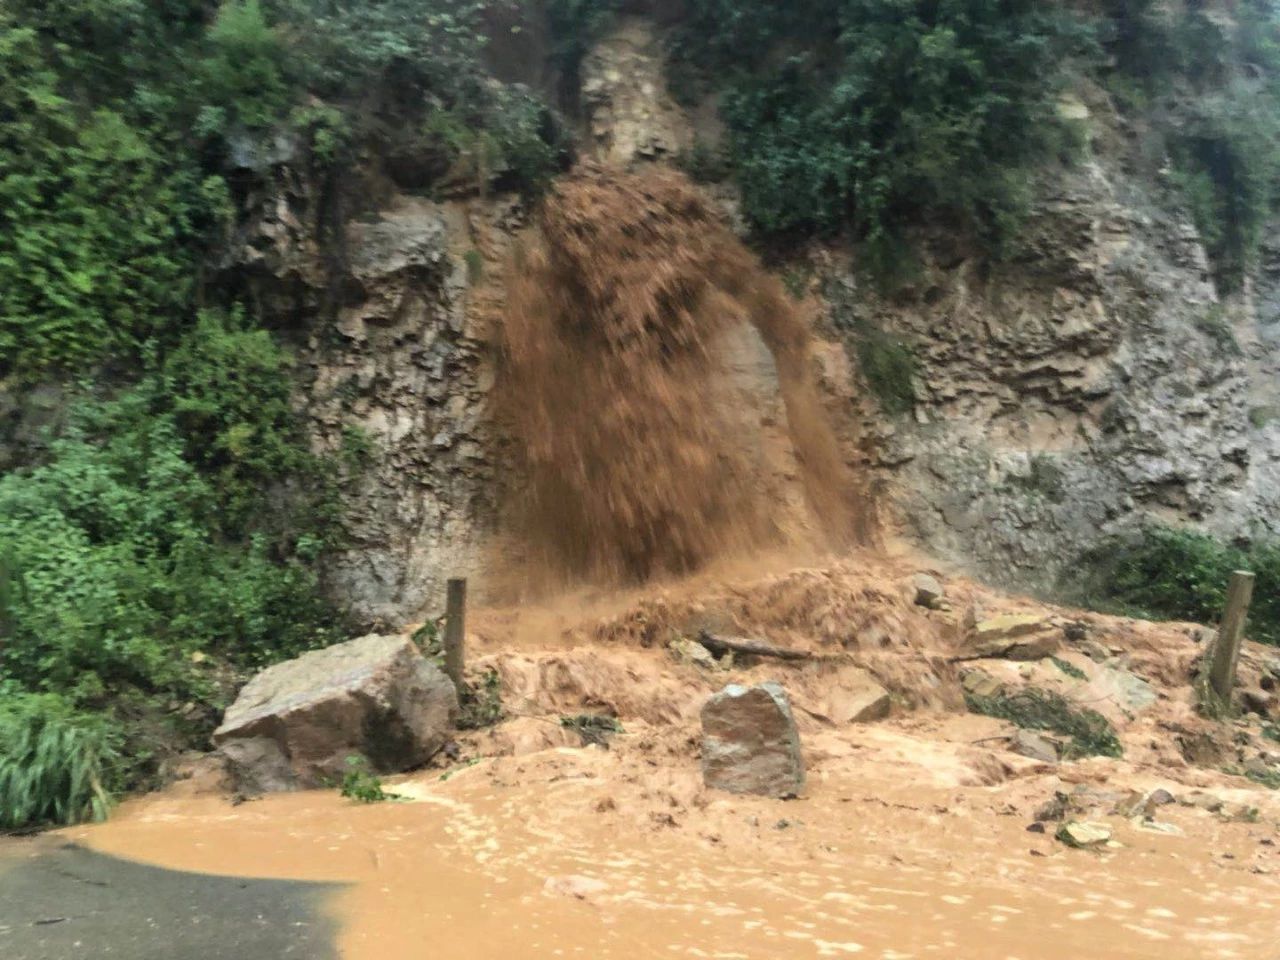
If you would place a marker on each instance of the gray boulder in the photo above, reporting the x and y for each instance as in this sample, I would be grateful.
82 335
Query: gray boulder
750 743
295 724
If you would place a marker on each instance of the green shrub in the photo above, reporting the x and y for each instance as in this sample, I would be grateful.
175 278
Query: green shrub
243 75
178 517
97 226
57 766
1176 574
864 114
360 785
1211 89
888 366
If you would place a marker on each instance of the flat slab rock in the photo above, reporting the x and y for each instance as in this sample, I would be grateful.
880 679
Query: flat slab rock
750 743
295 724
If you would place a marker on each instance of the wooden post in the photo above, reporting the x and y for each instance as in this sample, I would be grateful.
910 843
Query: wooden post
455 631
1226 652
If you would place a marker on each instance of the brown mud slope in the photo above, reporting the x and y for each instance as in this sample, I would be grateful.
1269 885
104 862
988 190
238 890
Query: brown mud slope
634 454
912 839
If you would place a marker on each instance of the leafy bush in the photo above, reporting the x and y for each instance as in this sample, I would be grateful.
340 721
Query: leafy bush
55 764
182 517
864 113
1183 575
96 225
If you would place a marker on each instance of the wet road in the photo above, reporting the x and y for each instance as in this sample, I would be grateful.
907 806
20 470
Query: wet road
59 901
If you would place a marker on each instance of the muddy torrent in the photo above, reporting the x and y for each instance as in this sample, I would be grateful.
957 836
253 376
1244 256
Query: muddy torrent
657 387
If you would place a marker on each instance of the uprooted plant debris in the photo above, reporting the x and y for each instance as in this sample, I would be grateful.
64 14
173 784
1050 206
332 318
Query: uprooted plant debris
1035 709
593 728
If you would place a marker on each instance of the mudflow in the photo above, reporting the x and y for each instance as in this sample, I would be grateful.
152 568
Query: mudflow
659 391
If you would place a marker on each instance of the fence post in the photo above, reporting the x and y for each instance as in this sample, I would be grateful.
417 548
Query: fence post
1226 652
455 631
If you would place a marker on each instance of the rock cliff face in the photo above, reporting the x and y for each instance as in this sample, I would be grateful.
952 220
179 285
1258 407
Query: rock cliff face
1091 379
391 309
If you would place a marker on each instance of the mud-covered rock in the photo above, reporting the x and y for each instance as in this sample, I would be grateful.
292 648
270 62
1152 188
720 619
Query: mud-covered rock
750 743
295 724
928 590
1028 743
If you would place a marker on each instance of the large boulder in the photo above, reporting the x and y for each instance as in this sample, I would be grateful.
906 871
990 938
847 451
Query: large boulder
750 743
295 724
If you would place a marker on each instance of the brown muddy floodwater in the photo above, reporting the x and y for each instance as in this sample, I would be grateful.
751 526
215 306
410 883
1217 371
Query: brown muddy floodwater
585 853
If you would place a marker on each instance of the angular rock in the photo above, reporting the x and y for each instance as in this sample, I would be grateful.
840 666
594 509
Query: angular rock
691 651
1082 834
1117 693
295 724
929 592
853 696
1160 798
1007 626
1013 637
750 743
979 683
1027 743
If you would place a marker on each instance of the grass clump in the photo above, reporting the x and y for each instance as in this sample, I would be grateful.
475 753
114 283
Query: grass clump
56 764
1070 669
1033 709
1267 778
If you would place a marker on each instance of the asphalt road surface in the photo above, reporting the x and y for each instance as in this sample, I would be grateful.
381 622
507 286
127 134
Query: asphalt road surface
62 902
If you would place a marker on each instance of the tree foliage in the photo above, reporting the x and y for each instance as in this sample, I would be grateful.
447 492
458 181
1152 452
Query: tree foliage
862 114
1209 84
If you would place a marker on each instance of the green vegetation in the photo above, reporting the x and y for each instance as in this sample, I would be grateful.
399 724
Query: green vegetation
481 706
888 366
172 528
360 785
1070 669
862 114
56 765
1209 84
593 728
1033 709
1267 778
1170 574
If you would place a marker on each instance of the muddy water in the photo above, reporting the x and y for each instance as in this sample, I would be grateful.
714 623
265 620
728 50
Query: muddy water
659 392
582 853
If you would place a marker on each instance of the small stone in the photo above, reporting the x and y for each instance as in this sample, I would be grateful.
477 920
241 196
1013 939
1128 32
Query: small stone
1202 801
1094 651
1130 805
575 886
1160 798
1259 702
1083 834
929 592
1153 826
1030 744
1054 809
